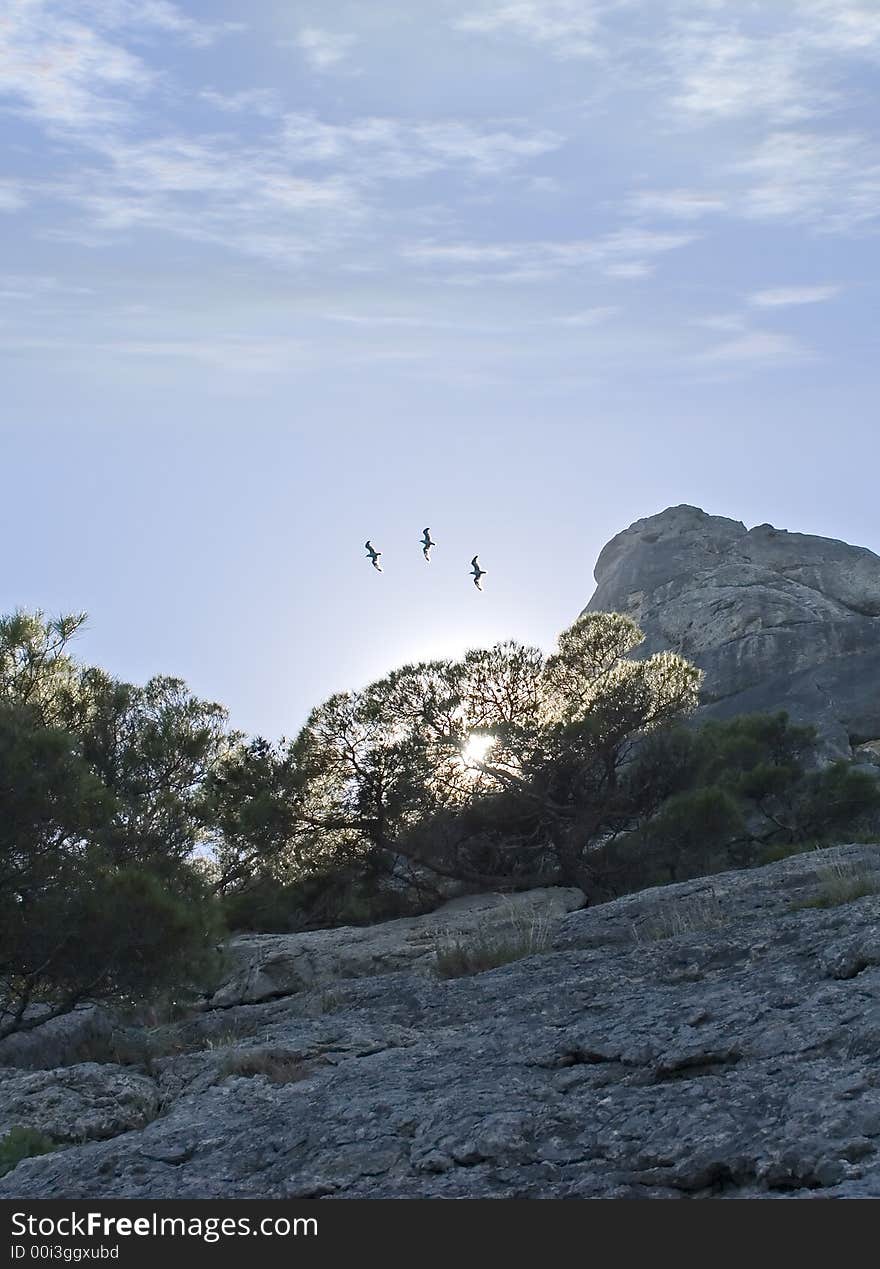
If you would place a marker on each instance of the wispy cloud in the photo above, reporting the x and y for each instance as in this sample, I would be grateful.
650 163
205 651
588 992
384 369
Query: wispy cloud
286 198
568 28
830 180
721 321
259 101
249 355
391 148
588 316
66 62
146 15
324 50
12 197
677 204
617 254
784 296
846 27
62 72
755 347
218 191
720 73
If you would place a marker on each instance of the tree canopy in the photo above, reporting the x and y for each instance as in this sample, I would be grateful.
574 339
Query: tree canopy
133 818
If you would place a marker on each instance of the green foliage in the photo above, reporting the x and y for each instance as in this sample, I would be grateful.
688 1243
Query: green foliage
36 669
251 808
132 819
691 832
835 801
93 931
22 1143
397 768
349 895
101 786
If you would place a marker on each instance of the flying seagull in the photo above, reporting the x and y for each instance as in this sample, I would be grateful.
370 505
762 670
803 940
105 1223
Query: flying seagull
374 555
427 543
477 572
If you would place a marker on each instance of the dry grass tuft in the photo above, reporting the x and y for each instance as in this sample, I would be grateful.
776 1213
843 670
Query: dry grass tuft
458 956
685 916
840 882
279 1066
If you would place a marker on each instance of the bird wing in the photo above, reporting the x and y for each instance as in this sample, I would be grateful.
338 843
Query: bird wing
474 563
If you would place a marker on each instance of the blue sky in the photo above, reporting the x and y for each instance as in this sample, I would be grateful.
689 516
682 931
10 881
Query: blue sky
278 277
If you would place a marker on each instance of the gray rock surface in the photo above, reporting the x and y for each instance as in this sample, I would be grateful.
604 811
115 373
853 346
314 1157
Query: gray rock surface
60 1042
715 1037
268 965
88 1102
775 619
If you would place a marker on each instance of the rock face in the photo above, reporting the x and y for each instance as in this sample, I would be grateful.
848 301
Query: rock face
715 1037
91 1101
265 966
775 619
61 1041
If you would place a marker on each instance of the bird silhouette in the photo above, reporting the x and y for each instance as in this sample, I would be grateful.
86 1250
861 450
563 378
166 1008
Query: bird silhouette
427 543
374 555
477 572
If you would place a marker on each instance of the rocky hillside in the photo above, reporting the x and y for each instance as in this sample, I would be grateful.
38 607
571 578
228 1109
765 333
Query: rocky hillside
716 1037
776 619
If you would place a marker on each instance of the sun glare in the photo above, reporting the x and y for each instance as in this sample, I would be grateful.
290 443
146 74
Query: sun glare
476 748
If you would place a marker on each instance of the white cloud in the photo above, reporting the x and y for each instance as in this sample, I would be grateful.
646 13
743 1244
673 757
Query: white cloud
615 254
245 198
721 321
62 72
845 27
831 180
391 148
827 181
247 355
756 346
259 101
569 28
783 296
140 15
631 269
324 50
12 198
719 73
65 62
588 316
40 289
678 204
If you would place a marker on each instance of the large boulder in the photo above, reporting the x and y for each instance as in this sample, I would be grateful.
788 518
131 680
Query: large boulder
89 1102
777 620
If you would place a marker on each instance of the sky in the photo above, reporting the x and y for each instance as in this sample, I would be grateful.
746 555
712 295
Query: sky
278 277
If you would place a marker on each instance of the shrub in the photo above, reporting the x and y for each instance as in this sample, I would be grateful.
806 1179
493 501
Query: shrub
22 1143
93 932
